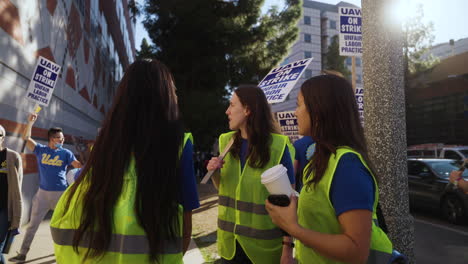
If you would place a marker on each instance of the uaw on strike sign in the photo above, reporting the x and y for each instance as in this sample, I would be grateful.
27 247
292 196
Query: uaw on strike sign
279 81
43 82
288 124
350 31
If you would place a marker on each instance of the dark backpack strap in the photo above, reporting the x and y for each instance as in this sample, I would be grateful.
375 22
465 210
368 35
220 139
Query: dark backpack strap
381 219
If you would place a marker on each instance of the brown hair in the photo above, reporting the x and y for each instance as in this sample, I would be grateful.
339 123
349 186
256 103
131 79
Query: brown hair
143 126
260 124
334 120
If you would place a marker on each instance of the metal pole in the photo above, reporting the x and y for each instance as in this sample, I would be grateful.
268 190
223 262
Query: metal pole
385 126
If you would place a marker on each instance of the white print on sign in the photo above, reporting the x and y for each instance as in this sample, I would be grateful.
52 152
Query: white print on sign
279 81
350 31
288 124
43 81
360 102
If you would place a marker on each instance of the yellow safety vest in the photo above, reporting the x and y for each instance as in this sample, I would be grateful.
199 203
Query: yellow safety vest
129 243
241 212
315 211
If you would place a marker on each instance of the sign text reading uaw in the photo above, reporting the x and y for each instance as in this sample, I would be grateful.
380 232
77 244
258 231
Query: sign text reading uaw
350 31
279 81
43 81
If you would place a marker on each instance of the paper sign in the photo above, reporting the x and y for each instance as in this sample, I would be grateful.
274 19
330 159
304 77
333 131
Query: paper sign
279 81
43 81
350 31
288 124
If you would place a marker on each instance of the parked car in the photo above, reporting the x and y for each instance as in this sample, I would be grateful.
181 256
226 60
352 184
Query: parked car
429 188
438 150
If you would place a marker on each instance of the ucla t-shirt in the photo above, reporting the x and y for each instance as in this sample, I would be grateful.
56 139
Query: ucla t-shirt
52 165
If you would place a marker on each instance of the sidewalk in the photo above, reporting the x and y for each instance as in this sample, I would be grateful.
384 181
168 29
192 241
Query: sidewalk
42 248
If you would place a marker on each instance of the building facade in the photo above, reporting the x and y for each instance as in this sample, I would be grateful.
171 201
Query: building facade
445 50
437 103
319 24
92 41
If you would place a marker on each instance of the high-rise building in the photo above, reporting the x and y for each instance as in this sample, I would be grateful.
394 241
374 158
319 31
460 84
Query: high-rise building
319 24
93 42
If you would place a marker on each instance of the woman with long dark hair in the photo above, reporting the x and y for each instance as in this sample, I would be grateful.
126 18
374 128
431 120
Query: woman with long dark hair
334 217
245 232
132 202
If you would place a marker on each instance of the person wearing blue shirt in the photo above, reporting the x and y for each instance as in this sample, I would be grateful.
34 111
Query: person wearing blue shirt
305 148
256 147
52 161
334 220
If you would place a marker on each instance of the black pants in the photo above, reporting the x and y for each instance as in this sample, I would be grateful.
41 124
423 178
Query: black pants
239 257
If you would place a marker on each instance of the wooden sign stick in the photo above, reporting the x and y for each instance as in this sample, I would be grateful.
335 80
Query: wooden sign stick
225 152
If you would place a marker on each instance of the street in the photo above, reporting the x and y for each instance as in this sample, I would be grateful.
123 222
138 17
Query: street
437 241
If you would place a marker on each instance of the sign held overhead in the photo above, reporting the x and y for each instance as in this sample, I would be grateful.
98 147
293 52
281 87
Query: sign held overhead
43 81
350 31
288 124
279 81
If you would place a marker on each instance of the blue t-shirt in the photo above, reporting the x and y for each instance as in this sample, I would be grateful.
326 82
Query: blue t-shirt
352 187
304 151
305 148
189 199
52 165
285 160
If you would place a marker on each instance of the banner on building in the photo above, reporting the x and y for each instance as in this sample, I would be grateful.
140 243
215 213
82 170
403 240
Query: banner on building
360 102
279 81
350 31
288 124
43 81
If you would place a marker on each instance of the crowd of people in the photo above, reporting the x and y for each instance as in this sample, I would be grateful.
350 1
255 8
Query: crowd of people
132 200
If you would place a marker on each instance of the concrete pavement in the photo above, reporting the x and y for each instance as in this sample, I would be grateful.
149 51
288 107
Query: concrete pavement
42 248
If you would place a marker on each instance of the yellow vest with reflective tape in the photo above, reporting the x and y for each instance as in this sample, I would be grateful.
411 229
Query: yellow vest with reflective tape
128 242
315 211
241 212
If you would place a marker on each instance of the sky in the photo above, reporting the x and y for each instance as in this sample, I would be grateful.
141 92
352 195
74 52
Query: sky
449 17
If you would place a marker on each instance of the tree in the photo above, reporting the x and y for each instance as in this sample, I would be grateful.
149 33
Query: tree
333 60
418 40
212 46
145 51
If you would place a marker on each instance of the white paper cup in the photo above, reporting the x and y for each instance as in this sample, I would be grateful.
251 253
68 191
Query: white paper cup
276 180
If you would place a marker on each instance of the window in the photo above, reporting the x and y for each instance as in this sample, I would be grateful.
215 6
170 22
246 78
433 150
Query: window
358 61
416 168
308 74
332 24
349 61
306 20
449 154
307 54
307 38
358 78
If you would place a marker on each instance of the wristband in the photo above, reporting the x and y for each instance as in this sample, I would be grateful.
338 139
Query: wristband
291 244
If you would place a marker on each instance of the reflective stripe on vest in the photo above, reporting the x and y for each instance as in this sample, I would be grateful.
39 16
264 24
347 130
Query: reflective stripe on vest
125 244
128 242
242 216
242 206
249 231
